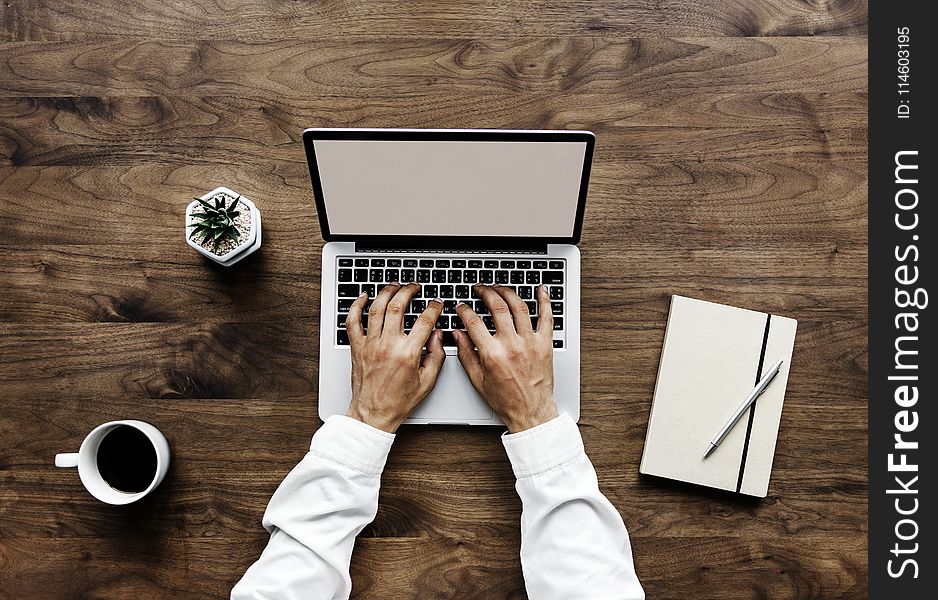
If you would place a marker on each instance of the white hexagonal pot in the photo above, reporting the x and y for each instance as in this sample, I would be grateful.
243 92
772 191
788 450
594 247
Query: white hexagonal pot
247 246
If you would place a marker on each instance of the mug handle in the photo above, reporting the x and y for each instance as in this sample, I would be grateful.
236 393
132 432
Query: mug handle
68 459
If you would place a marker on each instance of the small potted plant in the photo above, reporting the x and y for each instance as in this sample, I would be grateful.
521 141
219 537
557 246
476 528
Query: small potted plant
223 225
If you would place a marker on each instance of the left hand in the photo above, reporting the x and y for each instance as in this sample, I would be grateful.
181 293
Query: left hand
390 374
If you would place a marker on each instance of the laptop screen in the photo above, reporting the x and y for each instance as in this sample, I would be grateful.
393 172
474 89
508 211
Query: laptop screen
446 187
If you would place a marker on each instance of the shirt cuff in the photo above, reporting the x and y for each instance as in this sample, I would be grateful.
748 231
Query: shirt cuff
544 447
353 443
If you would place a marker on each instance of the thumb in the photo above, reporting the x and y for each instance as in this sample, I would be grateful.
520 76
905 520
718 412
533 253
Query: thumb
433 360
468 356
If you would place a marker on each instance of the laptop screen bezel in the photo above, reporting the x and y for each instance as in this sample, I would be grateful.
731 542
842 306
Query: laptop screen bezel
475 135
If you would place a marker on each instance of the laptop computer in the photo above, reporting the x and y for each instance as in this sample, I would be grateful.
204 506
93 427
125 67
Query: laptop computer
448 209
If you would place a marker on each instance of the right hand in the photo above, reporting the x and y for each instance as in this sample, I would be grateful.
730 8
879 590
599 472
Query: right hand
512 370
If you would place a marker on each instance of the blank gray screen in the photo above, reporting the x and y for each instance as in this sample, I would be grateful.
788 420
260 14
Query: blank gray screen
450 188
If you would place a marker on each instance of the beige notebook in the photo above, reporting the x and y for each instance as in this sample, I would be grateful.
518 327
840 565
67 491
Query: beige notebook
713 355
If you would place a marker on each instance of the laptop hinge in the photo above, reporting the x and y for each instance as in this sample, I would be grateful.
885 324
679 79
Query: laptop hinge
520 248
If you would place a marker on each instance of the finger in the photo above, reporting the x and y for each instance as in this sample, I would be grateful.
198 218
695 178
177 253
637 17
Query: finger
519 310
353 322
475 328
397 308
545 316
426 323
501 314
468 356
378 305
433 360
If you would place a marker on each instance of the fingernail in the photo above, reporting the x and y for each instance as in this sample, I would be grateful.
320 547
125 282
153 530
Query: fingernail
437 300
460 303
363 294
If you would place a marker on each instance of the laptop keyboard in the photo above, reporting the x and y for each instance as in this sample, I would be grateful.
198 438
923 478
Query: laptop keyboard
451 280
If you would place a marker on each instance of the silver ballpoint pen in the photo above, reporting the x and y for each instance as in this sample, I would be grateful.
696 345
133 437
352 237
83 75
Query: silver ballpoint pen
755 393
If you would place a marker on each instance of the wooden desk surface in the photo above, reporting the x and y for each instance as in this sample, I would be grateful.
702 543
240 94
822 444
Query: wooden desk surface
730 166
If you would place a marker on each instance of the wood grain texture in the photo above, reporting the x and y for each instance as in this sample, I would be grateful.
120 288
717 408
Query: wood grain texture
265 19
730 165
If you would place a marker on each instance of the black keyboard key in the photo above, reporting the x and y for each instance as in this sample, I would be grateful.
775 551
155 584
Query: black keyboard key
391 275
517 277
558 323
552 277
442 322
361 262
475 264
381 286
348 290
370 288
540 264
423 276
407 275
345 262
439 277
418 306
534 323
448 339
376 276
486 277
532 306
410 262
446 291
449 307
430 291
556 293
340 320
459 264
394 262
508 264
558 343
501 277
455 322
462 292
455 276
409 321
524 264
470 276
442 264
525 292
481 308
426 264
345 274
556 264
377 262
532 277
344 305
491 264
361 275
489 323
556 308
341 337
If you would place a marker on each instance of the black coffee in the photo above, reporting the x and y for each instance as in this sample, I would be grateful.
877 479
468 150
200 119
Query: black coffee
127 459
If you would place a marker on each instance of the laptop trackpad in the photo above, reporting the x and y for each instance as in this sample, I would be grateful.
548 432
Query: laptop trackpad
453 399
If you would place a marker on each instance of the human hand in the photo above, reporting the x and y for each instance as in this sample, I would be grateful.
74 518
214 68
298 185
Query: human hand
512 370
389 375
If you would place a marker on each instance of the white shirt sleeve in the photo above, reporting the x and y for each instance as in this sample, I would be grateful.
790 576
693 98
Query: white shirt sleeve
574 544
316 513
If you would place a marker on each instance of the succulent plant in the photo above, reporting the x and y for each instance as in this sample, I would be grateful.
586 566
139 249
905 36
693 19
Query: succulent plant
217 222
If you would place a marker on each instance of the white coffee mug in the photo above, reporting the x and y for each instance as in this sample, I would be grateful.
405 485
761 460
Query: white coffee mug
86 459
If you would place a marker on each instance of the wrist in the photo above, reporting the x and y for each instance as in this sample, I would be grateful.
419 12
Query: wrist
530 419
378 421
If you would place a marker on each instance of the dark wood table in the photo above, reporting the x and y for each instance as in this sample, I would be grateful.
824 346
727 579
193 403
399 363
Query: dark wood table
730 166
